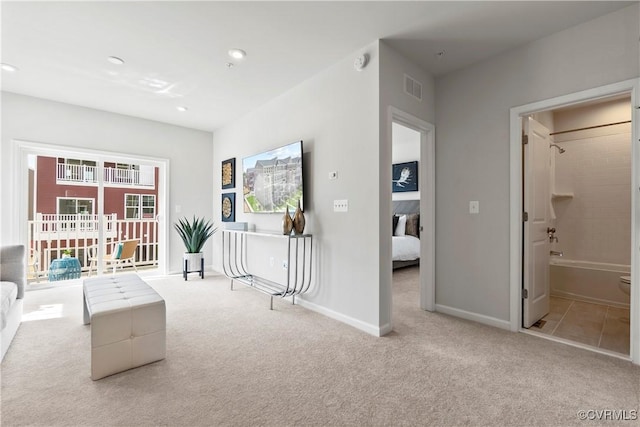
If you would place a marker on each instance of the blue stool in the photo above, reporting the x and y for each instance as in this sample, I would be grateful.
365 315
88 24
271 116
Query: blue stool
64 269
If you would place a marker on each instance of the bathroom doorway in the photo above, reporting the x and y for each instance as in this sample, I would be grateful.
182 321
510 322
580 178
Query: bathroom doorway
602 183
577 243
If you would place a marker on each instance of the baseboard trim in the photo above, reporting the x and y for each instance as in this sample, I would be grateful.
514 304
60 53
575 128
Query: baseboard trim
480 318
582 298
358 324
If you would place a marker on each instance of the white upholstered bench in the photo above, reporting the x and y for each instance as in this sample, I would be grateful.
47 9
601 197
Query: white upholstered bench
128 323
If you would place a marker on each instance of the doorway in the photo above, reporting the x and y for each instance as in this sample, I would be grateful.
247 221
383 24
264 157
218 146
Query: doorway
78 205
413 208
576 228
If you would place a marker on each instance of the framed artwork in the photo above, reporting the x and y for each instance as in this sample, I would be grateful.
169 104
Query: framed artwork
229 207
404 177
229 173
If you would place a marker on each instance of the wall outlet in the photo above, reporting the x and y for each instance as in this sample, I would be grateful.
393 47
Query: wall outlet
474 207
341 205
285 264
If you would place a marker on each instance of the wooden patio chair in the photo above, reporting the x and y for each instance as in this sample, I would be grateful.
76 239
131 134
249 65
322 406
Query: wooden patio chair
127 255
34 263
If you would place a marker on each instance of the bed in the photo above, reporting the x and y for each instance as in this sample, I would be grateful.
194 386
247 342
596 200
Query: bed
406 233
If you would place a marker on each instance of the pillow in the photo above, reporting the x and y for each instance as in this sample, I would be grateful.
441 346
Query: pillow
395 224
413 225
402 225
117 252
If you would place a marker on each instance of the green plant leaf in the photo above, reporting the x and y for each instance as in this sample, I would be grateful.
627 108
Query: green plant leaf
194 233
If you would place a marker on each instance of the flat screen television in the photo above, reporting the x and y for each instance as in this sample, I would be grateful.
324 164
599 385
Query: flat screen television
272 180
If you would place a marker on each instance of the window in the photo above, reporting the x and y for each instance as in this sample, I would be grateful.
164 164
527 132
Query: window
139 206
77 162
72 206
69 210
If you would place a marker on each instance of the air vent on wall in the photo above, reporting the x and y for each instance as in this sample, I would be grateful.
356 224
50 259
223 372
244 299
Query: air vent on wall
413 87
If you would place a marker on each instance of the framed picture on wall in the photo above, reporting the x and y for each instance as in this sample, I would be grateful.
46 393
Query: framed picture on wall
229 207
229 173
404 177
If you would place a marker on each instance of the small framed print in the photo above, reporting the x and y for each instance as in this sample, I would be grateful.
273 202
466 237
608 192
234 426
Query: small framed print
404 177
229 173
229 207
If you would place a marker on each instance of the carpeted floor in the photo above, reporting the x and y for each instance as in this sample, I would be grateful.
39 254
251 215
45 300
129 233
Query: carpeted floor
232 361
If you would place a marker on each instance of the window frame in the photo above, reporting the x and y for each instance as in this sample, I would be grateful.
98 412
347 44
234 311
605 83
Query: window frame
140 206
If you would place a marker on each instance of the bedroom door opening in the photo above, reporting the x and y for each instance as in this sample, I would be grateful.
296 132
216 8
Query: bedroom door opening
412 199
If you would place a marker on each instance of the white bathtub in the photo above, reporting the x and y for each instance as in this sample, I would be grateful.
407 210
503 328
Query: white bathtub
588 281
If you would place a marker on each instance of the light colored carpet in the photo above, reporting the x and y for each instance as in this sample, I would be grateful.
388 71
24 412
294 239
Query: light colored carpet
231 361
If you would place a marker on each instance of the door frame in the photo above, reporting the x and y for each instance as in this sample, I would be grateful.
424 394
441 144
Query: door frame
427 189
23 148
631 87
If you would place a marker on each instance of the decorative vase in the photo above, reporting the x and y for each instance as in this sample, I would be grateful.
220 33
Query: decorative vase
298 220
287 223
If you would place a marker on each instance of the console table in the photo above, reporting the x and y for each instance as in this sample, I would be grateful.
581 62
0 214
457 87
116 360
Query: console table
298 268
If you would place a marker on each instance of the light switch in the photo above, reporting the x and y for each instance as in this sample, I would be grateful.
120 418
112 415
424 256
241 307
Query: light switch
474 207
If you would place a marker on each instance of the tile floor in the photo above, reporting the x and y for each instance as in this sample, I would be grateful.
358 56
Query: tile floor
596 325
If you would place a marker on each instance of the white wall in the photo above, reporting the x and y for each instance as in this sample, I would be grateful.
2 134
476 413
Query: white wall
472 148
189 152
335 113
594 225
405 148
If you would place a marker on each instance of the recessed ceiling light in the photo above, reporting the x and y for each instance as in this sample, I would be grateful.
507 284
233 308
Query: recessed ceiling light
115 60
237 53
229 64
9 67
182 109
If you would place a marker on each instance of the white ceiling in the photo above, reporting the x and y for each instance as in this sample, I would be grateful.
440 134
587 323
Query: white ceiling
176 52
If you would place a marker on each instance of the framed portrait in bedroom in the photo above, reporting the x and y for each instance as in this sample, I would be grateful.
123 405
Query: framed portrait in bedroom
404 177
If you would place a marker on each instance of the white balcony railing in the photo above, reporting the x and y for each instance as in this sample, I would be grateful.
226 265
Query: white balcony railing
51 234
88 175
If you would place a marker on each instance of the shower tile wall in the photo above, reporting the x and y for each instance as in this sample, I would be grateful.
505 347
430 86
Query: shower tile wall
595 225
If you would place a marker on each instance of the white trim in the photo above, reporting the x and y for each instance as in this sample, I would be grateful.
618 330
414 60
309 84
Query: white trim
631 86
21 148
376 331
480 318
427 177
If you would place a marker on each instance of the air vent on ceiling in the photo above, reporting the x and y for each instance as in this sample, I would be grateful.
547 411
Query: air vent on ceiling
413 87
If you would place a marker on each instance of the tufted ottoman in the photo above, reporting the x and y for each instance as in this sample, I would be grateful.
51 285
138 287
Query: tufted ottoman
128 323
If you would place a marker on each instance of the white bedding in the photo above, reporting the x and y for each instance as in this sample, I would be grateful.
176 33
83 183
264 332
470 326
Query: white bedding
405 248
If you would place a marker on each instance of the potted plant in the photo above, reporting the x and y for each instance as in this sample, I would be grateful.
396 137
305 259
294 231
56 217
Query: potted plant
67 253
194 234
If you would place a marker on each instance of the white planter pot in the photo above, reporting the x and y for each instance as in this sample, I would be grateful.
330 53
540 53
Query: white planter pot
193 261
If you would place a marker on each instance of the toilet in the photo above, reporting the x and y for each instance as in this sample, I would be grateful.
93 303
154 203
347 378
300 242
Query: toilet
625 284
